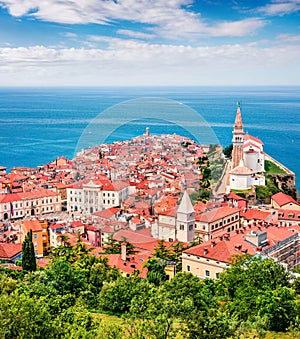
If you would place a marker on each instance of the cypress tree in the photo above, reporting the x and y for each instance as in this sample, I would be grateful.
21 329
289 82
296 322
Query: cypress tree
28 255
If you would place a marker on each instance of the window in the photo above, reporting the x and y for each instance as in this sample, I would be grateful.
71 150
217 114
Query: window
188 268
181 227
207 273
190 227
217 275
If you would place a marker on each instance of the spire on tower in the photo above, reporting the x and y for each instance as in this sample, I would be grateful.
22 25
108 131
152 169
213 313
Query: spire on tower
238 124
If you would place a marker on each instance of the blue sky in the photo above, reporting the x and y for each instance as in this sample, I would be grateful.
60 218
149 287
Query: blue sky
149 42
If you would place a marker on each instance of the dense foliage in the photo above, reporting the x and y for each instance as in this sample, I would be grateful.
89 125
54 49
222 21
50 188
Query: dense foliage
64 300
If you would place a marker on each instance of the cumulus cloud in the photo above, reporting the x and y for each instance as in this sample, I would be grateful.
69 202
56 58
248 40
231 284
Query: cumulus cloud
168 18
280 7
130 62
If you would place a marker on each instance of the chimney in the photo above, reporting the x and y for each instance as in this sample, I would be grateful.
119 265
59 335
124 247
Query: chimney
123 251
213 243
205 251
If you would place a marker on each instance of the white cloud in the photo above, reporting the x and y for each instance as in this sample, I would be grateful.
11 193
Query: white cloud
237 28
168 18
128 62
280 7
289 38
70 35
135 34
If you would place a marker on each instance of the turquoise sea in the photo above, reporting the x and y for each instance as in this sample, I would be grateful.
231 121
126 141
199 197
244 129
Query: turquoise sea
39 124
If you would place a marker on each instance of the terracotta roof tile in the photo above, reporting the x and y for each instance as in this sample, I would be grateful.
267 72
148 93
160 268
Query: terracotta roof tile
9 250
282 199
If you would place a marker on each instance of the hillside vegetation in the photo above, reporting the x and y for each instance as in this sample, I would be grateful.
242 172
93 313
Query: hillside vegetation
77 295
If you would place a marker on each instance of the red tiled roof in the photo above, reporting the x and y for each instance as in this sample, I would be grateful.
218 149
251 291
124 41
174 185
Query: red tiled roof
33 225
8 250
222 250
55 226
216 214
254 214
234 196
292 215
251 138
108 213
133 263
282 199
107 229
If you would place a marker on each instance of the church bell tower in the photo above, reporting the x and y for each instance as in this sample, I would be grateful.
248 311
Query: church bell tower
238 138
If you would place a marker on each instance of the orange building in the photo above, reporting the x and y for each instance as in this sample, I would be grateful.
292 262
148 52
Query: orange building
37 234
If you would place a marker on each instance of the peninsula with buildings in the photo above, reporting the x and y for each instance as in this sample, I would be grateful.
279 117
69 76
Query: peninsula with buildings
140 190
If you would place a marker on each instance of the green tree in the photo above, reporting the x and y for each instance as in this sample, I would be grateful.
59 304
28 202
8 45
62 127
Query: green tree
113 246
116 296
228 151
25 317
156 271
65 278
28 254
257 291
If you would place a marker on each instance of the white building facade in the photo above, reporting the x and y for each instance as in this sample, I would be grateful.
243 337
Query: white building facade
96 195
